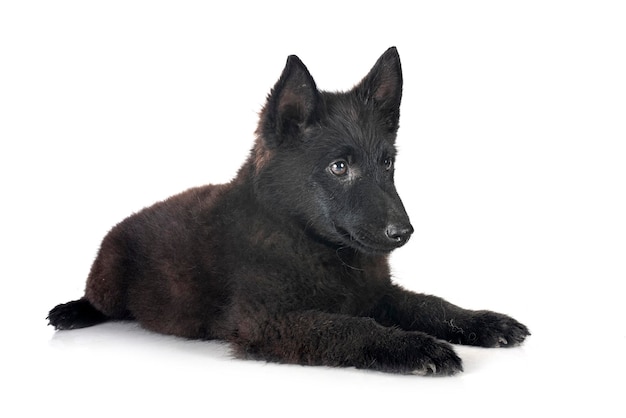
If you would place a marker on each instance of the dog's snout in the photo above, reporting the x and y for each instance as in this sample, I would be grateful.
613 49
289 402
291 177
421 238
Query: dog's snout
399 232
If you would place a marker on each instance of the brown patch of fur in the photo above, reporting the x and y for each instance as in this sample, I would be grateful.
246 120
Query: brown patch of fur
261 155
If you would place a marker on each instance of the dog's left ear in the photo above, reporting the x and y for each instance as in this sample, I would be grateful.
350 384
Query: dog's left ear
383 85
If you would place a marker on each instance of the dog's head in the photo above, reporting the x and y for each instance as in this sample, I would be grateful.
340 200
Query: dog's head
328 158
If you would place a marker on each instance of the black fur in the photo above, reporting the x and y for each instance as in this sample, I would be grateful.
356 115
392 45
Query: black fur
76 314
288 262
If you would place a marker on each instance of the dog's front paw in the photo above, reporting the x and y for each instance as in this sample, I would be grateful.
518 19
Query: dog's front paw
491 329
413 353
436 358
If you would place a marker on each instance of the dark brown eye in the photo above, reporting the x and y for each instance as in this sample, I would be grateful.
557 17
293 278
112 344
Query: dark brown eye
388 163
339 168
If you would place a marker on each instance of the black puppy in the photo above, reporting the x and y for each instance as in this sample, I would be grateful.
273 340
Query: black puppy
289 261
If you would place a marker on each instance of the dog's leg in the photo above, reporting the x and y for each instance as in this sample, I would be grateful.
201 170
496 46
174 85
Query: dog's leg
316 338
435 316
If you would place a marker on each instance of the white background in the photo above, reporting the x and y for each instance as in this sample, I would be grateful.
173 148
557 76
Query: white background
512 168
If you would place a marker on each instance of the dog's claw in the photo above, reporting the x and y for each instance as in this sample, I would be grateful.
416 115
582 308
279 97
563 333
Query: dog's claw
427 370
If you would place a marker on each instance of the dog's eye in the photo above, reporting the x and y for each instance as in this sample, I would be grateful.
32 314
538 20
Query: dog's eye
388 163
339 168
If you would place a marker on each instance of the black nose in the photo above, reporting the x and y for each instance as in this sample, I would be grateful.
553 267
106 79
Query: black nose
399 232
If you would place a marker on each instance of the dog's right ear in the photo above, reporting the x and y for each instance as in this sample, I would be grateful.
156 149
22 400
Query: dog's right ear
291 106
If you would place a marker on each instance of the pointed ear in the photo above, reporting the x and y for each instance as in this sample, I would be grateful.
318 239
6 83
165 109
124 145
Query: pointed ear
383 86
291 105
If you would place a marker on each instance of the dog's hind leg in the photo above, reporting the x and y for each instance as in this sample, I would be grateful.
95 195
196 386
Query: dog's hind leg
106 290
111 273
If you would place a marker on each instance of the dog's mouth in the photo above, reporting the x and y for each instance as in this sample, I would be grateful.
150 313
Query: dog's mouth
366 242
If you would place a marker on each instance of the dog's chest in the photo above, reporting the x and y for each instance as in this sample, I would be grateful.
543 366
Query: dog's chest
335 286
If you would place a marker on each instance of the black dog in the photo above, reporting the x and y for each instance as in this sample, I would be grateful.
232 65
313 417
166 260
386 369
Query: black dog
288 262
